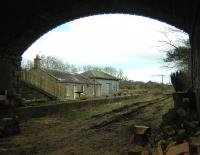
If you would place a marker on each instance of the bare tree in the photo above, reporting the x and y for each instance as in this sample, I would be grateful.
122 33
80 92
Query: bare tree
90 67
51 62
108 69
55 63
26 64
177 49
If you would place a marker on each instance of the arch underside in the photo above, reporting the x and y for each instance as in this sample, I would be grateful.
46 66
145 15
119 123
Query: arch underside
25 22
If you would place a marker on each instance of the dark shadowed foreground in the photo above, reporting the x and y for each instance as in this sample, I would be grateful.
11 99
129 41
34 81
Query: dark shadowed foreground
105 129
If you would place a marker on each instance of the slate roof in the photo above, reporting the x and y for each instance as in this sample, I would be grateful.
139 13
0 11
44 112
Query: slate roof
68 77
98 75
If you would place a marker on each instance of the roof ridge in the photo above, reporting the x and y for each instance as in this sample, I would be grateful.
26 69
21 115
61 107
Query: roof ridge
99 74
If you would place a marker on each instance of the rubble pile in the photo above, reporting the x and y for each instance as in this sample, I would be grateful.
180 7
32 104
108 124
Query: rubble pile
179 132
179 124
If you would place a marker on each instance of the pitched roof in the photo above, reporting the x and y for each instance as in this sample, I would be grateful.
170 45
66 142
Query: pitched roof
98 75
68 77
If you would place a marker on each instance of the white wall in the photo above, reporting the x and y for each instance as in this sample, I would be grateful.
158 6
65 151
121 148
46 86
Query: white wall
108 87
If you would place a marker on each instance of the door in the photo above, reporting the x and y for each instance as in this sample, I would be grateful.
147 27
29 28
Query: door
107 89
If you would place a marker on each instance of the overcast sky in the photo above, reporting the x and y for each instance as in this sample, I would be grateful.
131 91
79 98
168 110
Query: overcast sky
125 42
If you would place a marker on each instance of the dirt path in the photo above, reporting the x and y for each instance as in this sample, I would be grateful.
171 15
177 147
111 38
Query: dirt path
107 133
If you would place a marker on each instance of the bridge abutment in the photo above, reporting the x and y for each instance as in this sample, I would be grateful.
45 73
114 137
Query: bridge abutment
195 43
9 75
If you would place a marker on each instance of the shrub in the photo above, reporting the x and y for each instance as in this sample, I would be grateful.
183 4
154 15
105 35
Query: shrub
181 81
119 93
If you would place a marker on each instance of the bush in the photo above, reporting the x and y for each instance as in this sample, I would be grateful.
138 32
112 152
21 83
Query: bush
119 93
181 81
114 94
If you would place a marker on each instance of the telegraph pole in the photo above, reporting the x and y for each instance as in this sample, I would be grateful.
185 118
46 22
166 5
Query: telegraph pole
162 77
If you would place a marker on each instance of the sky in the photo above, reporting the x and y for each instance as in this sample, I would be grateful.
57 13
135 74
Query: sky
126 42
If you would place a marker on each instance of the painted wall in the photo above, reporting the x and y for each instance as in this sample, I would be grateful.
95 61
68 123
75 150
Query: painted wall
50 84
108 87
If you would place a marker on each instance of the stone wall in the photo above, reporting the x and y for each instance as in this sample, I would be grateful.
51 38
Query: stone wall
9 75
26 113
53 86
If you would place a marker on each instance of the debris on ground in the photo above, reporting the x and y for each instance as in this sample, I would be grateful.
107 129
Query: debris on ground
179 132
59 134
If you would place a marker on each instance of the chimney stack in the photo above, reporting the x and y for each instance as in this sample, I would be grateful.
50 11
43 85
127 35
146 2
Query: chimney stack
37 62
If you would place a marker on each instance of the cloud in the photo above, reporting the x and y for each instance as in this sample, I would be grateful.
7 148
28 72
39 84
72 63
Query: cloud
122 41
149 74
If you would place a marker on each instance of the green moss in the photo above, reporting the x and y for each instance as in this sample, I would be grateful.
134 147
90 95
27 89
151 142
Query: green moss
95 110
79 114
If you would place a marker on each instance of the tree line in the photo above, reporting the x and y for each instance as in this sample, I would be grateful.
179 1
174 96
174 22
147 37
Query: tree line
56 63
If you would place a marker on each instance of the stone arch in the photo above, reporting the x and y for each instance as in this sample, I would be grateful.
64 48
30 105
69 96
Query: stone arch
30 20
24 22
